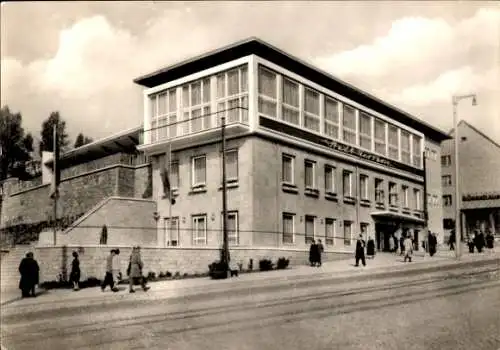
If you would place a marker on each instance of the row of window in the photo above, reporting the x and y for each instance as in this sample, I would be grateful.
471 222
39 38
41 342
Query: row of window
285 99
199 170
199 230
188 108
330 180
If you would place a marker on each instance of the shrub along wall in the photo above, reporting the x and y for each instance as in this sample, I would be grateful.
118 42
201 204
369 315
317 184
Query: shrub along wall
55 262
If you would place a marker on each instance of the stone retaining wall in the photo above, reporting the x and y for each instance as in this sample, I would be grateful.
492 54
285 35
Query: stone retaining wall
55 261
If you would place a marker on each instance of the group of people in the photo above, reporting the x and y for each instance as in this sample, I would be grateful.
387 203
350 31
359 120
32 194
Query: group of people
479 241
315 251
30 270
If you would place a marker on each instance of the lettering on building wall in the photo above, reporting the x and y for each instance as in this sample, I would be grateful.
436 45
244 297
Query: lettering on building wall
355 152
480 197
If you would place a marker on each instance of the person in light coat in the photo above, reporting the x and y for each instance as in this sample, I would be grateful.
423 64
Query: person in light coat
408 244
135 270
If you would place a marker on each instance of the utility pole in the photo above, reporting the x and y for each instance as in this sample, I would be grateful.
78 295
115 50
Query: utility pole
225 249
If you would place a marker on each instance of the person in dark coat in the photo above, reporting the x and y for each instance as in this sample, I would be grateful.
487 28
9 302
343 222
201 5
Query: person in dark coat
432 243
29 270
360 251
313 252
319 251
402 244
451 240
135 270
370 248
480 241
490 240
471 241
75 272
395 239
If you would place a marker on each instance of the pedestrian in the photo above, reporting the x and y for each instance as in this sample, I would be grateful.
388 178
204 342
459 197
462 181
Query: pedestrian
75 272
432 241
370 248
402 244
319 251
480 241
360 250
408 243
490 240
108 278
115 266
29 270
313 253
392 244
471 239
451 240
135 270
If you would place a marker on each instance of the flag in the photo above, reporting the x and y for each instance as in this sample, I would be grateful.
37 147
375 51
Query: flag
56 176
167 193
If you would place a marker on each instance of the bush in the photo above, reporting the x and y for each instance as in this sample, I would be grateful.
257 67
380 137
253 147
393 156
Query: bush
168 274
217 270
282 263
151 276
265 265
161 275
186 275
177 274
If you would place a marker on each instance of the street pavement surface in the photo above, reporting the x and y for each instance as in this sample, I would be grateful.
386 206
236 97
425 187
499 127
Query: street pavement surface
444 309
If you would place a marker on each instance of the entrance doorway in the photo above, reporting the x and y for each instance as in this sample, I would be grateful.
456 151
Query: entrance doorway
384 232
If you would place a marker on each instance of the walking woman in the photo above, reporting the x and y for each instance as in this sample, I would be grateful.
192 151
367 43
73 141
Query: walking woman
135 270
75 272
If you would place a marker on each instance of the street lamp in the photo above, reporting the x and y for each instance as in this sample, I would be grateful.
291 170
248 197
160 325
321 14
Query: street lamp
458 228
225 249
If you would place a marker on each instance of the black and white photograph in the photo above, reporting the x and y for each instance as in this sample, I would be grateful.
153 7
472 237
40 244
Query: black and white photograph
250 175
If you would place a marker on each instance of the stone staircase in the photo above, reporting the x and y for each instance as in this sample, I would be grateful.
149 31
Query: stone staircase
9 264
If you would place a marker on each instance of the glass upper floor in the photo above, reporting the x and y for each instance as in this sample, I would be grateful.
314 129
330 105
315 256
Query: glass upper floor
254 89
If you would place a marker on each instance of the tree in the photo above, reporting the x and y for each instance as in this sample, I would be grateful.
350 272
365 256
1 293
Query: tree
14 145
82 140
47 133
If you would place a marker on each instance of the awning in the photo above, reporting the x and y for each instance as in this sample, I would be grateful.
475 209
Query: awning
390 215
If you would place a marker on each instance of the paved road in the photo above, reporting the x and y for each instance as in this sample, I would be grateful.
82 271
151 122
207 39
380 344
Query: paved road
443 310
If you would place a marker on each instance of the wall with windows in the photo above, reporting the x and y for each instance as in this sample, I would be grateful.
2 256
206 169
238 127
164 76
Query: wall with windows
197 105
303 196
196 179
292 100
434 188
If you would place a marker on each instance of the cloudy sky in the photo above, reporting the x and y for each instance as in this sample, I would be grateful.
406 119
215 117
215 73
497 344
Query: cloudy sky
80 58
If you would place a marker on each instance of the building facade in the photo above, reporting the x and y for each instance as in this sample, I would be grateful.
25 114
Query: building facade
479 166
308 156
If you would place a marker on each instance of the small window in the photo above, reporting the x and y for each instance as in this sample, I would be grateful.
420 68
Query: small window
347 233
199 171
288 228
172 232
310 229
287 169
310 174
330 179
379 191
199 230
347 180
363 184
329 231
393 194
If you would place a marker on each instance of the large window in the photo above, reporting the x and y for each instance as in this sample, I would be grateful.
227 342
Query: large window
446 180
310 229
231 165
446 161
232 95
417 151
232 227
331 118
406 201
163 113
311 109
417 199
196 106
288 228
349 124
174 175
347 181
447 200
268 92
393 194
347 233
405 147
199 171
365 131
393 142
363 185
329 231
290 109
330 179
310 174
287 169
199 229
379 191
380 143
172 232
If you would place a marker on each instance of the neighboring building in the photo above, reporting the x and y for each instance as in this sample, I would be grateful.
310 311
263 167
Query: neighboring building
101 176
479 169
308 156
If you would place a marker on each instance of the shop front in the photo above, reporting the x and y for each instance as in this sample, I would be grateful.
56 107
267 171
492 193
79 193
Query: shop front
390 224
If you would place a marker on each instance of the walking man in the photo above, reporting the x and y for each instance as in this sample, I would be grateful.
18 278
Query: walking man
408 248
108 278
360 250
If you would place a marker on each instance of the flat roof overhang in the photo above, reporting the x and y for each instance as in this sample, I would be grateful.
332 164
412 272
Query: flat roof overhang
390 215
125 141
262 49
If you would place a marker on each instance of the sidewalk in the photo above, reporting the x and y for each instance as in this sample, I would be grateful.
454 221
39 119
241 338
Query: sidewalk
383 263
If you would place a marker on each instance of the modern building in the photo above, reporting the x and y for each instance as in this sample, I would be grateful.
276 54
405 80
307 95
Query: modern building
308 156
479 169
